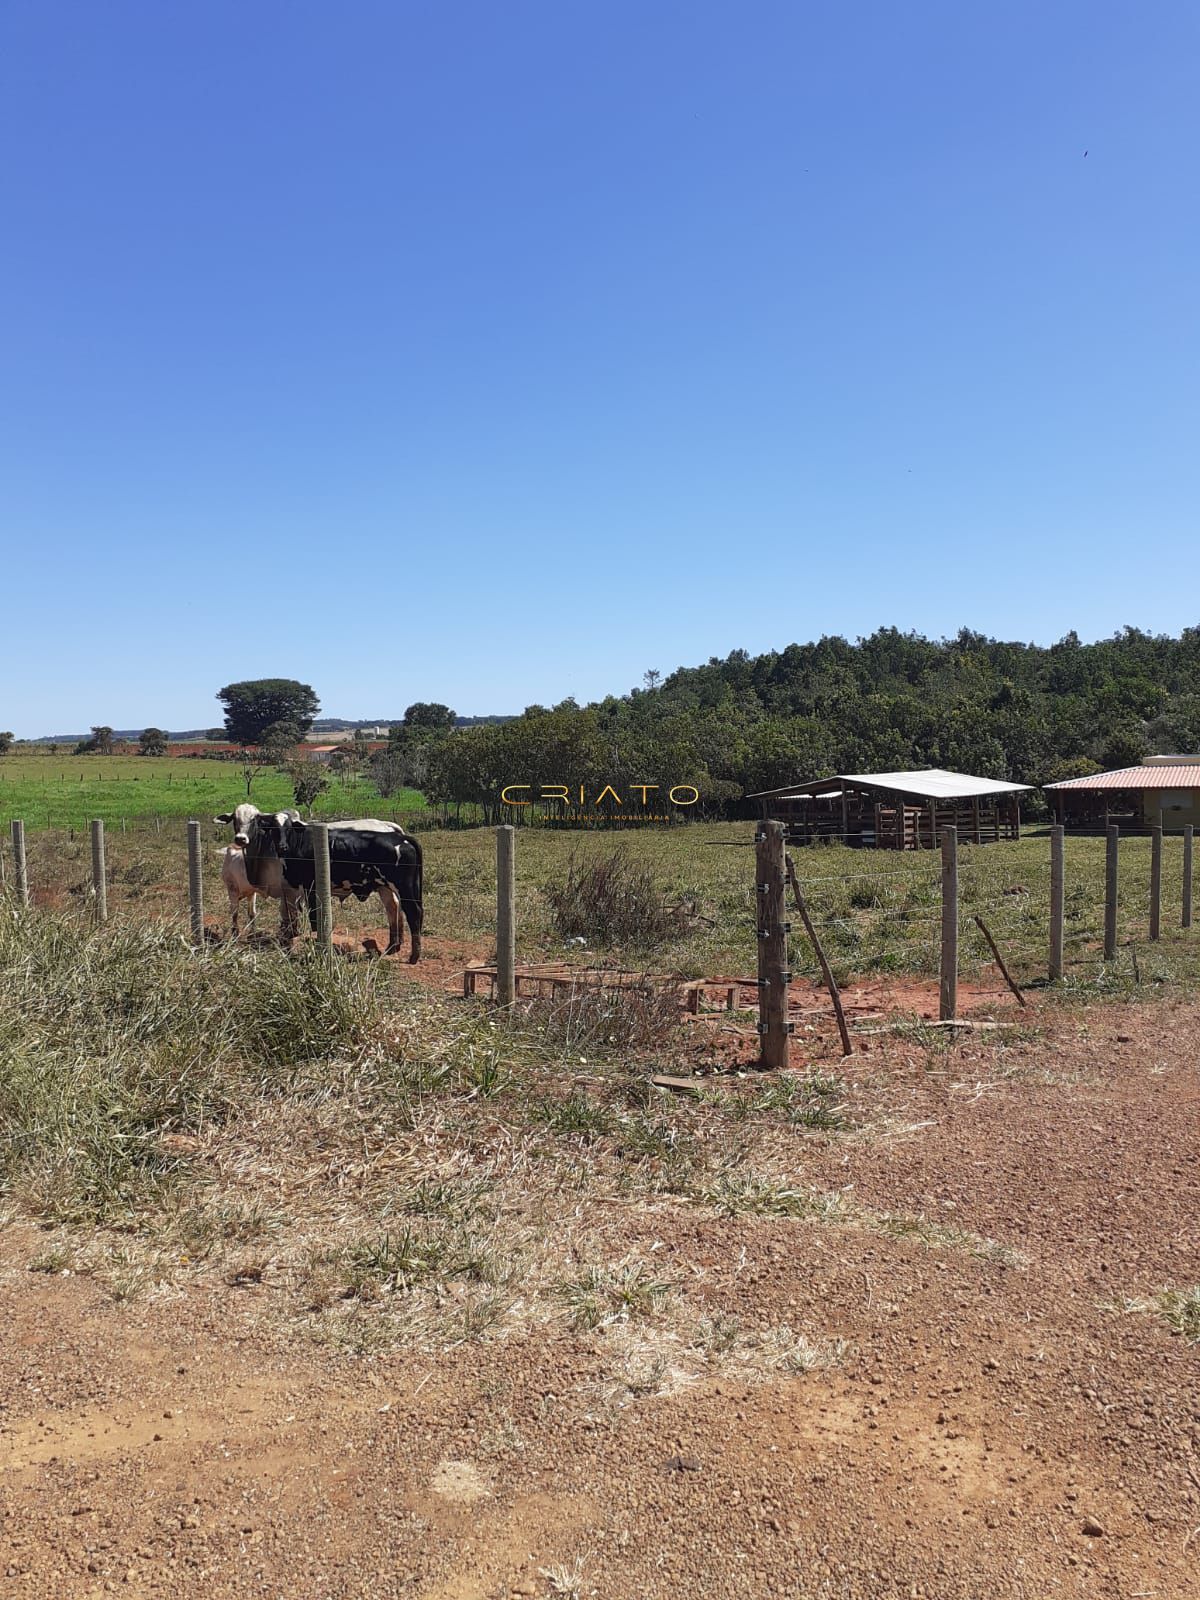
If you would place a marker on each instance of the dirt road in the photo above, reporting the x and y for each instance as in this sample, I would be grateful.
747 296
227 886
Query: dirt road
993 1422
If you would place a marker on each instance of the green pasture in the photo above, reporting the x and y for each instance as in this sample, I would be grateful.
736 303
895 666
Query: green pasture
68 791
877 913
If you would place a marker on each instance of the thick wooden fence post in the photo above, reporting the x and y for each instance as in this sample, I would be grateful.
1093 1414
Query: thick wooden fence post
195 883
99 874
1056 904
1155 881
506 915
1187 875
1110 892
948 989
773 974
20 875
322 886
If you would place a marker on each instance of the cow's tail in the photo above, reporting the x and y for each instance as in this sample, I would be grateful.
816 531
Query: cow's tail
420 870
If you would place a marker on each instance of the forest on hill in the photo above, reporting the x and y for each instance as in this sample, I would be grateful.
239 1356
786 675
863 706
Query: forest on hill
1024 712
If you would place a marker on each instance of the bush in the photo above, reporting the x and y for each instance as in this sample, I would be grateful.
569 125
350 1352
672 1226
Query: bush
611 899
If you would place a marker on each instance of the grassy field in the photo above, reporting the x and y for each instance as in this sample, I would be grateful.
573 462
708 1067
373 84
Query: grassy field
68 791
878 914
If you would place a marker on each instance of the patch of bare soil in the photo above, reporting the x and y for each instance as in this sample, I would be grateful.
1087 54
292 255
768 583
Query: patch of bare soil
997 1421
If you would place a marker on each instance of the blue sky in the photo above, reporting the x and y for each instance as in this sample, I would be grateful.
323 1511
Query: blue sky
494 353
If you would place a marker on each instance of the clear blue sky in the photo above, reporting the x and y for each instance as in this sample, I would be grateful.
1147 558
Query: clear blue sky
491 353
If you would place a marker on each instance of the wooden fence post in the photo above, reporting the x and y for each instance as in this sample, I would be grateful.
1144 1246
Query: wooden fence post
322 886
948 989
1155 881
1110 892
195 884
1187 875
99 875
1056 904
20 875
773 974
506 915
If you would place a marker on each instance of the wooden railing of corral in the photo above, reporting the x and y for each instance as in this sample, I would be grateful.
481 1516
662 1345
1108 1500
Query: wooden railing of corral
896 825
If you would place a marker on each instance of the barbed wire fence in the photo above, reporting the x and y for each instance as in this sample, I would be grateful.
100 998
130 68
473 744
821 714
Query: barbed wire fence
1046 914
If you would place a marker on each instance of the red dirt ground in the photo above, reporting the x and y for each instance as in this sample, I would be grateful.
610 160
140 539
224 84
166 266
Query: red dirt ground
993 1430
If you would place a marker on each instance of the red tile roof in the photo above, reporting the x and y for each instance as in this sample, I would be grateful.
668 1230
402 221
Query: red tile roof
1181 777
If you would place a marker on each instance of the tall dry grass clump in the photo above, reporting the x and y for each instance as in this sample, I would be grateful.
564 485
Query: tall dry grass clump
110 1039
612 899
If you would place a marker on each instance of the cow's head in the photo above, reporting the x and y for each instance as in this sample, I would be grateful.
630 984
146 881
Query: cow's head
242 816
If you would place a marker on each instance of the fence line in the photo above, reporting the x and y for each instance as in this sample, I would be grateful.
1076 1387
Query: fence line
1054 903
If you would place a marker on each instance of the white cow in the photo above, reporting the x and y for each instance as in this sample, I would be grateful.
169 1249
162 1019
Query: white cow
233 876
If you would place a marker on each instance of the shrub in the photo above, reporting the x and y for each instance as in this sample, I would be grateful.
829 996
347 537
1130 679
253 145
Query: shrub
611 899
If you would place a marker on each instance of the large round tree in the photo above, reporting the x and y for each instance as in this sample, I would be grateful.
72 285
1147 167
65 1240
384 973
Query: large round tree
261 703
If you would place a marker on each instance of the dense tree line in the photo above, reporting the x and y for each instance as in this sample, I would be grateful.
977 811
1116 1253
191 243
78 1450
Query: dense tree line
1028 713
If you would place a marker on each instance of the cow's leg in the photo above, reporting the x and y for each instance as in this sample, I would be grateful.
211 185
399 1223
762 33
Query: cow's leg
416 916
253 917
235 901
391 904
289 913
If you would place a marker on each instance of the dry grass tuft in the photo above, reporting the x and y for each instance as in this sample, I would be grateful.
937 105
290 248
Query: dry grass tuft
612 899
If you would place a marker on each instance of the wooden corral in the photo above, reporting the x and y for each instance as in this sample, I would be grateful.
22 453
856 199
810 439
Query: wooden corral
895 810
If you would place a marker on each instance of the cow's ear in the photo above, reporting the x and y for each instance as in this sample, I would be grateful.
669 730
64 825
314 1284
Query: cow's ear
226 816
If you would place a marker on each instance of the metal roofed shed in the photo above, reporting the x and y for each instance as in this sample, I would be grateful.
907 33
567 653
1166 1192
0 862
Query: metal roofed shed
1164 791
895 810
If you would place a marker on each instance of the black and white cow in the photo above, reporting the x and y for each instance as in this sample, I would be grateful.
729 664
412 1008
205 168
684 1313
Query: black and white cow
366 858
234 874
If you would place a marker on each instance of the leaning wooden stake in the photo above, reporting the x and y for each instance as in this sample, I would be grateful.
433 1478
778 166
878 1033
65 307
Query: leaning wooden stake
506 916
20 875
1057 902
1187 875
830 983
1110 891
322 886
195 883
1004 972
99 875
948 986
1155 882
773 974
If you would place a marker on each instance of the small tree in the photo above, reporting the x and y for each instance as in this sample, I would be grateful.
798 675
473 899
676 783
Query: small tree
277 749
345 762
100 743
309 779
152 742
6 740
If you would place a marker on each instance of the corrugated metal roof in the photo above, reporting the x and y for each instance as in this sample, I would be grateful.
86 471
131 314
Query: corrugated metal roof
932 783
935 784
1182 777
